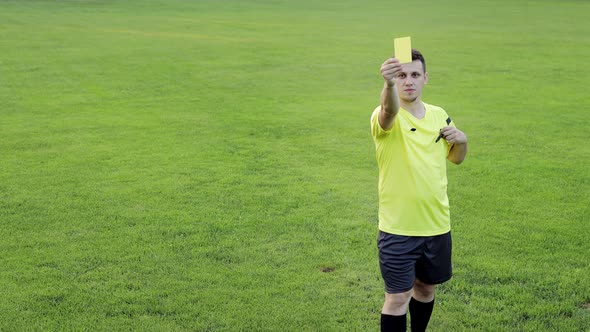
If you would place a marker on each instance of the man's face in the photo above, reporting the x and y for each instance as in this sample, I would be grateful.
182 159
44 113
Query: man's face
411 80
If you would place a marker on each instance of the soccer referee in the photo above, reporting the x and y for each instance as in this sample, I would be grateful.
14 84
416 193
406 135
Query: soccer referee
413 140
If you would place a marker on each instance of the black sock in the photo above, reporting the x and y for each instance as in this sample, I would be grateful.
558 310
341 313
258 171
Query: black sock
390 323
420 314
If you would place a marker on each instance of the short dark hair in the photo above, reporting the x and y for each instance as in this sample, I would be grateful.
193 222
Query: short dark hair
416 55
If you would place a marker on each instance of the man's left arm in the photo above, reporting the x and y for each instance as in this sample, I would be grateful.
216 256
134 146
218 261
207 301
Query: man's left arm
458 140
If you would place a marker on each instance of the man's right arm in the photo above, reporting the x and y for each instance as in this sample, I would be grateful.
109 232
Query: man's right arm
389 94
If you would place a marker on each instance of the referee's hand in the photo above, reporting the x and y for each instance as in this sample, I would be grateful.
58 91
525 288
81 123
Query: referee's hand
453 135
390 69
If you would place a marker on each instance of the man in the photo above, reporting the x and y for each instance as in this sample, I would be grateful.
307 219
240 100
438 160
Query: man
412 140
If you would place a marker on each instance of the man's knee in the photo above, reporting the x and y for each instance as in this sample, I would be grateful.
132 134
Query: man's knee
423 292
396 304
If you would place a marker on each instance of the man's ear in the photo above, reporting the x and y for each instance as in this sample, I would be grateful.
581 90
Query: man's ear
425 78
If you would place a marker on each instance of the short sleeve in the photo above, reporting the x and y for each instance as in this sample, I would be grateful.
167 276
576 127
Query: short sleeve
376 130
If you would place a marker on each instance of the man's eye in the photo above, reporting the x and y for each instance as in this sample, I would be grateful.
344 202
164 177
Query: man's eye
415 75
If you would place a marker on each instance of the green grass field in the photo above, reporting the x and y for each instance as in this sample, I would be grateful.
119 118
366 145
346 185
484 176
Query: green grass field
208 165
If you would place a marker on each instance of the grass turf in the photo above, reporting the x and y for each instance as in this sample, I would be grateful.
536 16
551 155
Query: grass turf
208 166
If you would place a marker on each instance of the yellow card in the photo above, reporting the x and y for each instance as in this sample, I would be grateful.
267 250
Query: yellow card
403 49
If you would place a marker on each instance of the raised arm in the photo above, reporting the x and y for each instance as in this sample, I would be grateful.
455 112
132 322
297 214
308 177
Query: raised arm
389 94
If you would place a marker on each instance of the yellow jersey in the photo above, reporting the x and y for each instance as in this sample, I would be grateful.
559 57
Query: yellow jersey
412 164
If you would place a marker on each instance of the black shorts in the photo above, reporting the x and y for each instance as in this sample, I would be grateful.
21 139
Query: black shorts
403 259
